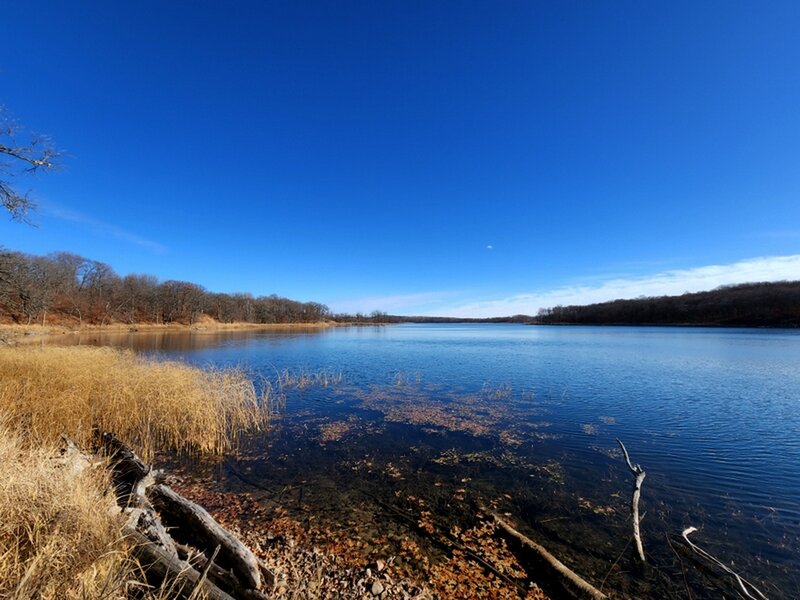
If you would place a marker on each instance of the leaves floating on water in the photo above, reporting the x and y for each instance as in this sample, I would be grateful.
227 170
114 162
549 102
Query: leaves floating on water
509 438
485 414
595 508
333 432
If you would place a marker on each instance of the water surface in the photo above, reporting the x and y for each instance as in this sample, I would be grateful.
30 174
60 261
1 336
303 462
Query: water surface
526 418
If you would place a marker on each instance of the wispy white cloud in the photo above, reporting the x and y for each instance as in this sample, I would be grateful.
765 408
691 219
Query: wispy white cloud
672 282
102 228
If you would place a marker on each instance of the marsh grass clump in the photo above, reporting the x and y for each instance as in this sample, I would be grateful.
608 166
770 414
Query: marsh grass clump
58 535
305 379
401 378
152 405
501 392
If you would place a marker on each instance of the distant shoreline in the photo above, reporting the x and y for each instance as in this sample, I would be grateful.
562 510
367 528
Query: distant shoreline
16 333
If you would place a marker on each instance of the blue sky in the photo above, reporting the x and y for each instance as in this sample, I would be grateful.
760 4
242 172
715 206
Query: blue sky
465 158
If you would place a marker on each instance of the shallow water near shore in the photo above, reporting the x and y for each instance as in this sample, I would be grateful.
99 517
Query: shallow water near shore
436 422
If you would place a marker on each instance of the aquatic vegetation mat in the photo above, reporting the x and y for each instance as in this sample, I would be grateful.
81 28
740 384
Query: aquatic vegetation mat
398 473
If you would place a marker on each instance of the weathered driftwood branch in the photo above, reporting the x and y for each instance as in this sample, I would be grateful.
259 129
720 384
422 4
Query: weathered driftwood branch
72 457
154 546
223 578
192 524
744 585
571 583
204 575
147 523
639 476
130 473
174 576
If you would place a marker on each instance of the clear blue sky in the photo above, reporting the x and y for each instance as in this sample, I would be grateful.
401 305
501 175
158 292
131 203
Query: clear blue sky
415 157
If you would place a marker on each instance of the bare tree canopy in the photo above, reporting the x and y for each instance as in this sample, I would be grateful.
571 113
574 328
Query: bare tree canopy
21 152
73 289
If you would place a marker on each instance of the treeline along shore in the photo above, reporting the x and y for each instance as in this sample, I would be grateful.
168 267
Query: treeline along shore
769 304
64 288
773 304
67 288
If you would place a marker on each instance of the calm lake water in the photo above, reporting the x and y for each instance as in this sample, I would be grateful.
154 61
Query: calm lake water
526 419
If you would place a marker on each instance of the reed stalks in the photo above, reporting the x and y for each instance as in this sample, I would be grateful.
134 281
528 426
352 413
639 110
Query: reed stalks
303 379
58 535
152 405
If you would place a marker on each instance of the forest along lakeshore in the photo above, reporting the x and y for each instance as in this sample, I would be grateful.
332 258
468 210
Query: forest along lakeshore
390 448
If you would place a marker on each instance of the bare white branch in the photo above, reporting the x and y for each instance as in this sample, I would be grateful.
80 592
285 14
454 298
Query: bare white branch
639 476
744 585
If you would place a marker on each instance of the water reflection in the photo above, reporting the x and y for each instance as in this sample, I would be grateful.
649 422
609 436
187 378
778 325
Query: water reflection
183 341
528 416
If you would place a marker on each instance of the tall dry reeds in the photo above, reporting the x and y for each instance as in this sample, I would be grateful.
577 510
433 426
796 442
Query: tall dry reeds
58 536
152 405
304 379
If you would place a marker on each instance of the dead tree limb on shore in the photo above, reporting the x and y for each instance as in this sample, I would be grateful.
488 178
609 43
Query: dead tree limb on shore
146 522
748 589
639 476
194 525
572 583
131 475
168 573
224 578
146 504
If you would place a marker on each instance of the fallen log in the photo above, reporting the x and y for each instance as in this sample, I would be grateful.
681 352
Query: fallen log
146 505
146 522
71 457
225 579
571 584
175 577
129 472
193 525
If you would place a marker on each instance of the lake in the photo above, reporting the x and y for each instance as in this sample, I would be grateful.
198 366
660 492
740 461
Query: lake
525 419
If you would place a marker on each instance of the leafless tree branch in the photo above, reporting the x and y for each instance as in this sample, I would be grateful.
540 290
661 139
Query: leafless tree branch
21 152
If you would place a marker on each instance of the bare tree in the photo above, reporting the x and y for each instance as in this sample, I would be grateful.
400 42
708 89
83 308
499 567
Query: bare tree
23 289
68 286
21 152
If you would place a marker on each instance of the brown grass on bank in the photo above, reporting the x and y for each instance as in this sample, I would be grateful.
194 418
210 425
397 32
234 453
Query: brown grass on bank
19 333
58 537
150 404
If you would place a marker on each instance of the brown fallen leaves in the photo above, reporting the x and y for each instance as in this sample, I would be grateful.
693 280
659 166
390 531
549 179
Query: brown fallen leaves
316 562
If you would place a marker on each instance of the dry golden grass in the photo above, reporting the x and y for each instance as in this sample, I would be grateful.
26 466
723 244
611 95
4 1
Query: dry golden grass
58 536
26 334
152 405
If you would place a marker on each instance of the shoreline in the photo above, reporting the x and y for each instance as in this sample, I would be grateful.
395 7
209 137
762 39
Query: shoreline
15 333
